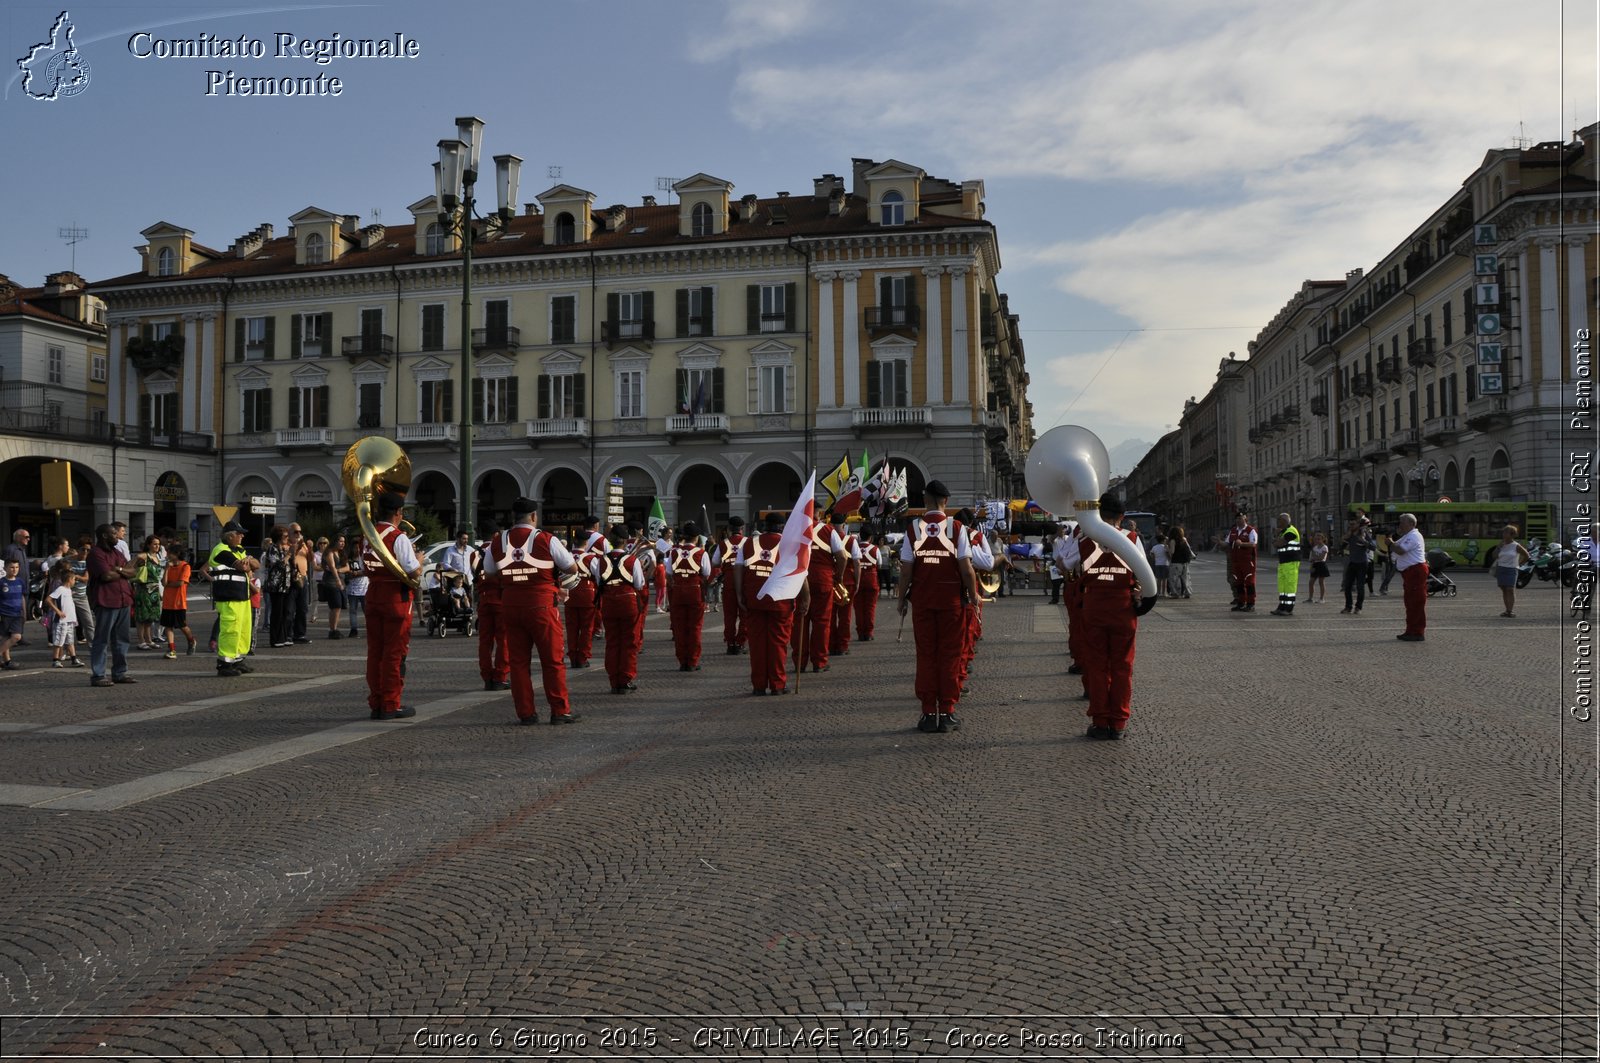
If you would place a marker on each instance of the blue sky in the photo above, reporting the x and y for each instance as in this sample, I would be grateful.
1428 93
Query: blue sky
1163 173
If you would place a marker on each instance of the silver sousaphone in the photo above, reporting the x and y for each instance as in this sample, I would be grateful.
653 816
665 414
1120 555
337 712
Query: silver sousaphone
1068 469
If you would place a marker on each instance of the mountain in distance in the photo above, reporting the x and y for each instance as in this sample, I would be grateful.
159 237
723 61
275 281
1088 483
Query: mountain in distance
1127 454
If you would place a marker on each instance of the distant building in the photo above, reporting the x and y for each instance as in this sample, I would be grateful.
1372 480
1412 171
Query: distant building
1446 370
707 352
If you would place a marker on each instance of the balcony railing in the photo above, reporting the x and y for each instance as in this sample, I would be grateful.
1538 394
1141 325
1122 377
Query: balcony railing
892 417
1375 450
558 428
427 432
1420 352
1319 405
1441 429
1254 435
155 356
1404 443
1389 370
370 345
615 332
893 318
694 423
1485 411
497 339
305 437
1361 383
995 425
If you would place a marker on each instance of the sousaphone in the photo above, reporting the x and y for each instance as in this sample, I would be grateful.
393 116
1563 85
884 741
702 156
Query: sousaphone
373 465
1068 469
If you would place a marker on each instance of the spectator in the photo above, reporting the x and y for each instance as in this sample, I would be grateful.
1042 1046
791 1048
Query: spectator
335 573
175 601
355 591
1181 554
13 610
1160 561
147 590
277 582
1358 546
1408 553
17 549
1384 558
111 594
62 614
1317 589
1508 559
78 562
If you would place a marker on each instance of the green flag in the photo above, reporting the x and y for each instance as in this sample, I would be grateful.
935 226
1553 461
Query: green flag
656 526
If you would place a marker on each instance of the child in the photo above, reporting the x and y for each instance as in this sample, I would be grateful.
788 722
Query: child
63 614
175 601
13 592
1319 569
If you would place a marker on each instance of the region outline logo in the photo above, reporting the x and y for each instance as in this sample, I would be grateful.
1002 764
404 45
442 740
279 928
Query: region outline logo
56 63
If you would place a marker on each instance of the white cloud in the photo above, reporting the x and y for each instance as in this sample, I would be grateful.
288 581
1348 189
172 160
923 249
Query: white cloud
752 24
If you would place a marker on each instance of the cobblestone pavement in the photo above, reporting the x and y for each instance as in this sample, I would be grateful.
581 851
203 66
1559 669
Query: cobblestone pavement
1315 840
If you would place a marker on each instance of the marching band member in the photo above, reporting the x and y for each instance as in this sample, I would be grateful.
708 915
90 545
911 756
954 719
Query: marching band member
839 637
644 556
494 664
388 610
1068 557
619 575
688 570
866 600
1111 597
826 573
582 614
1242 540
936 576
982 561
526 560
766 620
726 558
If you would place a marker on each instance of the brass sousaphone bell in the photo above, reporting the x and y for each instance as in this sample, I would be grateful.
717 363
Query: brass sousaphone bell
374 465
1068 468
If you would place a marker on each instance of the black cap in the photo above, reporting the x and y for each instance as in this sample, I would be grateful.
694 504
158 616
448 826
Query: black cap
231 527
388 503
936 489
835 517
735 521
689 531
590 521
775 521
619 532
1110 505
524 505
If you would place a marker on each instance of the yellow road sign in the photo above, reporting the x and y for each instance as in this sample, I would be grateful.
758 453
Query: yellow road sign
225 513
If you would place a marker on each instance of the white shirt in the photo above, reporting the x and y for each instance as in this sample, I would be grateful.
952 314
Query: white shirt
908 551
402 550
1408 550
459 559
1158 554
558 554
1066 554
982 556
1506 555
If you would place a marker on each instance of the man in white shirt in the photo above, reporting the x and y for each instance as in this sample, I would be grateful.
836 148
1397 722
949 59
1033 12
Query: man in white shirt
1409 554
458 557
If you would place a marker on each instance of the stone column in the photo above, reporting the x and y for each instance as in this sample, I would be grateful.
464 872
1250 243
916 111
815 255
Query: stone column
960 339
739 505
1551 340
852 338
205 355
191 353
116 369
826 395
933 335
1577 301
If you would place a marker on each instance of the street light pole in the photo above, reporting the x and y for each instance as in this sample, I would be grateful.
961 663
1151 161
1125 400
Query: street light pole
455 181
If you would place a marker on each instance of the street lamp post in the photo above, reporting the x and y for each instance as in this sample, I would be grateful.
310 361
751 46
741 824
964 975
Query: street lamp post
455 177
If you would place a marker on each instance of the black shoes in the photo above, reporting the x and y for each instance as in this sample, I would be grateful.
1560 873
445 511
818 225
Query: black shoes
580 664
733 649
1402 638
404 712
1237 608
527 721
335 635
130 679
626 688
938 723
490 684
570 717
100 682
302 642
228 672
1076 669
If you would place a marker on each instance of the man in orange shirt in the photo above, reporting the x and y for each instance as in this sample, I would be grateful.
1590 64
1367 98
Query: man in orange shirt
175 601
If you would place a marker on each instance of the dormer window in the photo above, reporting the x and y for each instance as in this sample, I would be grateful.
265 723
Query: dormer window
566 229
166 263
436 239
894 208
701 219
316 250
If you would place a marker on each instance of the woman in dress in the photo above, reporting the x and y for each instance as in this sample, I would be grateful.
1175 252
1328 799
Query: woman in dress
1508 559
147 590
275 583
335 572
1318 590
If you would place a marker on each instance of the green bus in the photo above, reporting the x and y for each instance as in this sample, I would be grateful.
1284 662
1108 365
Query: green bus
1467 531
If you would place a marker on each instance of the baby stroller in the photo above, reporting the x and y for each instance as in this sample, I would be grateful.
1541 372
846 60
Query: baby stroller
449 604
1438 582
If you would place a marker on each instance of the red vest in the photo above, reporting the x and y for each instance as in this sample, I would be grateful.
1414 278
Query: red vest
685 562
758 555
821 571
527 570
1240 551
1106 579
936 573
616 571
728 550
377 571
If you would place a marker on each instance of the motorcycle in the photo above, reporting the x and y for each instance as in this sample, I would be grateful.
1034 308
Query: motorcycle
1547 562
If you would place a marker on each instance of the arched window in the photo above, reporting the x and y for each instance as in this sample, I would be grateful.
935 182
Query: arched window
435 238
1469 475
700 219
894 208
166 262
1383 489
315 250
566 229
1451 484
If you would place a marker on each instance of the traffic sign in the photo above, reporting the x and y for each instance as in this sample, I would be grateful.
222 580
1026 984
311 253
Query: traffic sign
194 525
225 513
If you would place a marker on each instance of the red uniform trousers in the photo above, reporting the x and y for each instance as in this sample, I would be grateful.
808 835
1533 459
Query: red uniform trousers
1415 579
532 623
733 625
643 596
817 627
619 614
972 626
661 585
388 610
938 633
1109 628
1242 577
687 612
493 664
580 623
866 604
769 629
839 636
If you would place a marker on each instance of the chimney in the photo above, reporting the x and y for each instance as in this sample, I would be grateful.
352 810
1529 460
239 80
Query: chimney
858 176
8 289
264 230
747 208
649 201
247 245
972 200
824 186
530 210
371 236
616 217
351 225
65 281
1353 275
836 201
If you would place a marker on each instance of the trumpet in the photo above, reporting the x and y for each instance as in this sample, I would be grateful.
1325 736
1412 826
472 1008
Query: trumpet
372 465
